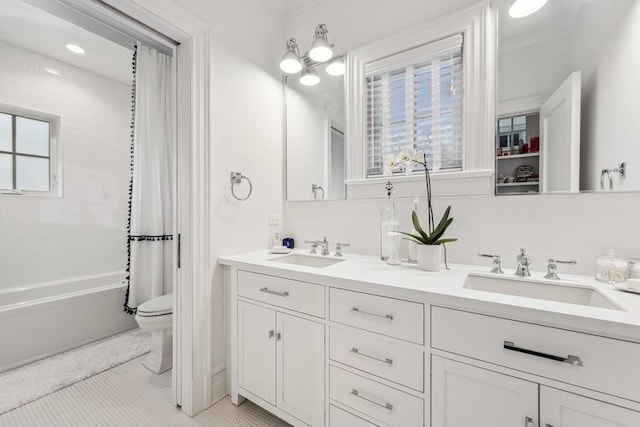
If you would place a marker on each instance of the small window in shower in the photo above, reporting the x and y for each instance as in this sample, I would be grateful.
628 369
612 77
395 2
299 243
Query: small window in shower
27 140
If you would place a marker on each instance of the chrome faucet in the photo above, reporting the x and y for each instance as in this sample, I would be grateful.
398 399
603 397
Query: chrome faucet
524 262
552 267
497 268
339 247
314 245
325 246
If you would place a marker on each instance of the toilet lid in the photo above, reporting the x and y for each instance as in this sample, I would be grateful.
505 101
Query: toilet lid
156 306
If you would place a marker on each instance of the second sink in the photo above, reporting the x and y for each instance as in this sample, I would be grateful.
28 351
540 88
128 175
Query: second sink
572 294
308 260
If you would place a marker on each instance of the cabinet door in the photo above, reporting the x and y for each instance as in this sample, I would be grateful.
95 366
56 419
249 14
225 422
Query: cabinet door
256 350
562 409
463 395
300 361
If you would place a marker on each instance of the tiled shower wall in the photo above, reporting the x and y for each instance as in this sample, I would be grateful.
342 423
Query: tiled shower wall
84 231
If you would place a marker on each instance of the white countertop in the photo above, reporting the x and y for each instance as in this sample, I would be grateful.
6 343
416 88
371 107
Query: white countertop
368 274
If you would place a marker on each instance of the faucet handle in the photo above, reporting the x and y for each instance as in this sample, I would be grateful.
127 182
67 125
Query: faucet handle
314 245
497 267
552 267
339 247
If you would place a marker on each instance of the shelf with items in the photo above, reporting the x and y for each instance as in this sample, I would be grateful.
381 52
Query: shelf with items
518 184
517 156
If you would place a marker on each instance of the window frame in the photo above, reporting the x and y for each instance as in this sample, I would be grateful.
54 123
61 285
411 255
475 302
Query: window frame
477 26
55 164
405 62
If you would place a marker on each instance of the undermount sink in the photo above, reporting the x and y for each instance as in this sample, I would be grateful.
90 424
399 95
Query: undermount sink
559 292
308 260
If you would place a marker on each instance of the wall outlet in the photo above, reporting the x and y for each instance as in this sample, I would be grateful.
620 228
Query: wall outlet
274 220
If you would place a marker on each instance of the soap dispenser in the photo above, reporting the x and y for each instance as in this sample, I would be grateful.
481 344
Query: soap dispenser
389 239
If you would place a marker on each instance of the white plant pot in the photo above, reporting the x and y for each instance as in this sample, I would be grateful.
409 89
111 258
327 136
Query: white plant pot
430 257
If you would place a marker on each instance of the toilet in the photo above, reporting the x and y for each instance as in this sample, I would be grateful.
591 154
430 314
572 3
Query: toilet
156 316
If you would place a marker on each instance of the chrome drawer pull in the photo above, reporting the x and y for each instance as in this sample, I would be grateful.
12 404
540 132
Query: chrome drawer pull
271 333
572 360
383 316
358 352
387 406
269 291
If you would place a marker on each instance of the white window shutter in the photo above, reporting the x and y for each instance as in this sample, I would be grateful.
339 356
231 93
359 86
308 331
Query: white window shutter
415 98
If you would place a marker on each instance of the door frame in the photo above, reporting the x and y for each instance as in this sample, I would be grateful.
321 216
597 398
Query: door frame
192 385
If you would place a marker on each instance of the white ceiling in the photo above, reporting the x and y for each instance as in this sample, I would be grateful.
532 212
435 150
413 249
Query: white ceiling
556 19
293 6
31 28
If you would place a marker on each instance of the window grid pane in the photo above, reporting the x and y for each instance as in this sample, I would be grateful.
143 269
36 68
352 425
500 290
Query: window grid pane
32 136
418 106
6 132
6 171
28 152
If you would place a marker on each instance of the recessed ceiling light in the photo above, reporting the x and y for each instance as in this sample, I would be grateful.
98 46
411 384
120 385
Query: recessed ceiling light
522 8
52 71
75 48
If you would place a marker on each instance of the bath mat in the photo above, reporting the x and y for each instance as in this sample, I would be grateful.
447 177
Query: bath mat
32 381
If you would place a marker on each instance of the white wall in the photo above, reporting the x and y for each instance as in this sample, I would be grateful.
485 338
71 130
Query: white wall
608 49
246 98
564 226
84 231
306 145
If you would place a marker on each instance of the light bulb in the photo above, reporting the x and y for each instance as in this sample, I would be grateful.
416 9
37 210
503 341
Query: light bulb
290 62
320 50
522 8
75 48
336 67
309 77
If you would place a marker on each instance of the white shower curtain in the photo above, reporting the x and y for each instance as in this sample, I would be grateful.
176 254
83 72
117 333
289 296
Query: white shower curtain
150 234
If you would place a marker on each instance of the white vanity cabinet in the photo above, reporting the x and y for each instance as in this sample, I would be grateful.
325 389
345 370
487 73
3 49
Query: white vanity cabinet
281 356
464 394
376 357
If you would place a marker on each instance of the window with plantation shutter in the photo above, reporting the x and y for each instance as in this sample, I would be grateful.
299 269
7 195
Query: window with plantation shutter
414 99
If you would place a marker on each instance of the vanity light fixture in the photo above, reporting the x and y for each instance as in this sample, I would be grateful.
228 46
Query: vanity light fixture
522 8
291 62
75 48
321 52
309 77
336 67
320 48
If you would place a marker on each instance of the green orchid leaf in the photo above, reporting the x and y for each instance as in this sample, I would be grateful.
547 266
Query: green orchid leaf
436 236
442 241
416 225
443 221
413 237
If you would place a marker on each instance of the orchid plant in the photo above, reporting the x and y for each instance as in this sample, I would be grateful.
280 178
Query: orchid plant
434 234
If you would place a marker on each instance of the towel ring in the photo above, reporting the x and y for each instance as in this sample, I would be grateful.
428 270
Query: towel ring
314 189
236 178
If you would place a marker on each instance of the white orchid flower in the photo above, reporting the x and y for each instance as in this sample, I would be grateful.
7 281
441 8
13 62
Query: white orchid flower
390 163
418 158
407 154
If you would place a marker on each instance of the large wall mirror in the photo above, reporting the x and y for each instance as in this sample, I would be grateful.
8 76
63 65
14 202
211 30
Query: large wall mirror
314 139
568 89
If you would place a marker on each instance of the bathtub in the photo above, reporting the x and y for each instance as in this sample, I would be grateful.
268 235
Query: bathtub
37 321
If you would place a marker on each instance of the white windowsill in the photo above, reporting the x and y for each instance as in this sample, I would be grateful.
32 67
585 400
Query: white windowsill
444 184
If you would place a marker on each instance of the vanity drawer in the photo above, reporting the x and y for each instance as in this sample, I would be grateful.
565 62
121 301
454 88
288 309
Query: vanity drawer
292 294
378 401
603 364
341 418
387 316
387 358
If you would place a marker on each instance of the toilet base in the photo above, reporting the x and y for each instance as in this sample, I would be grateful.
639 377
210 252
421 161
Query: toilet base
160 358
